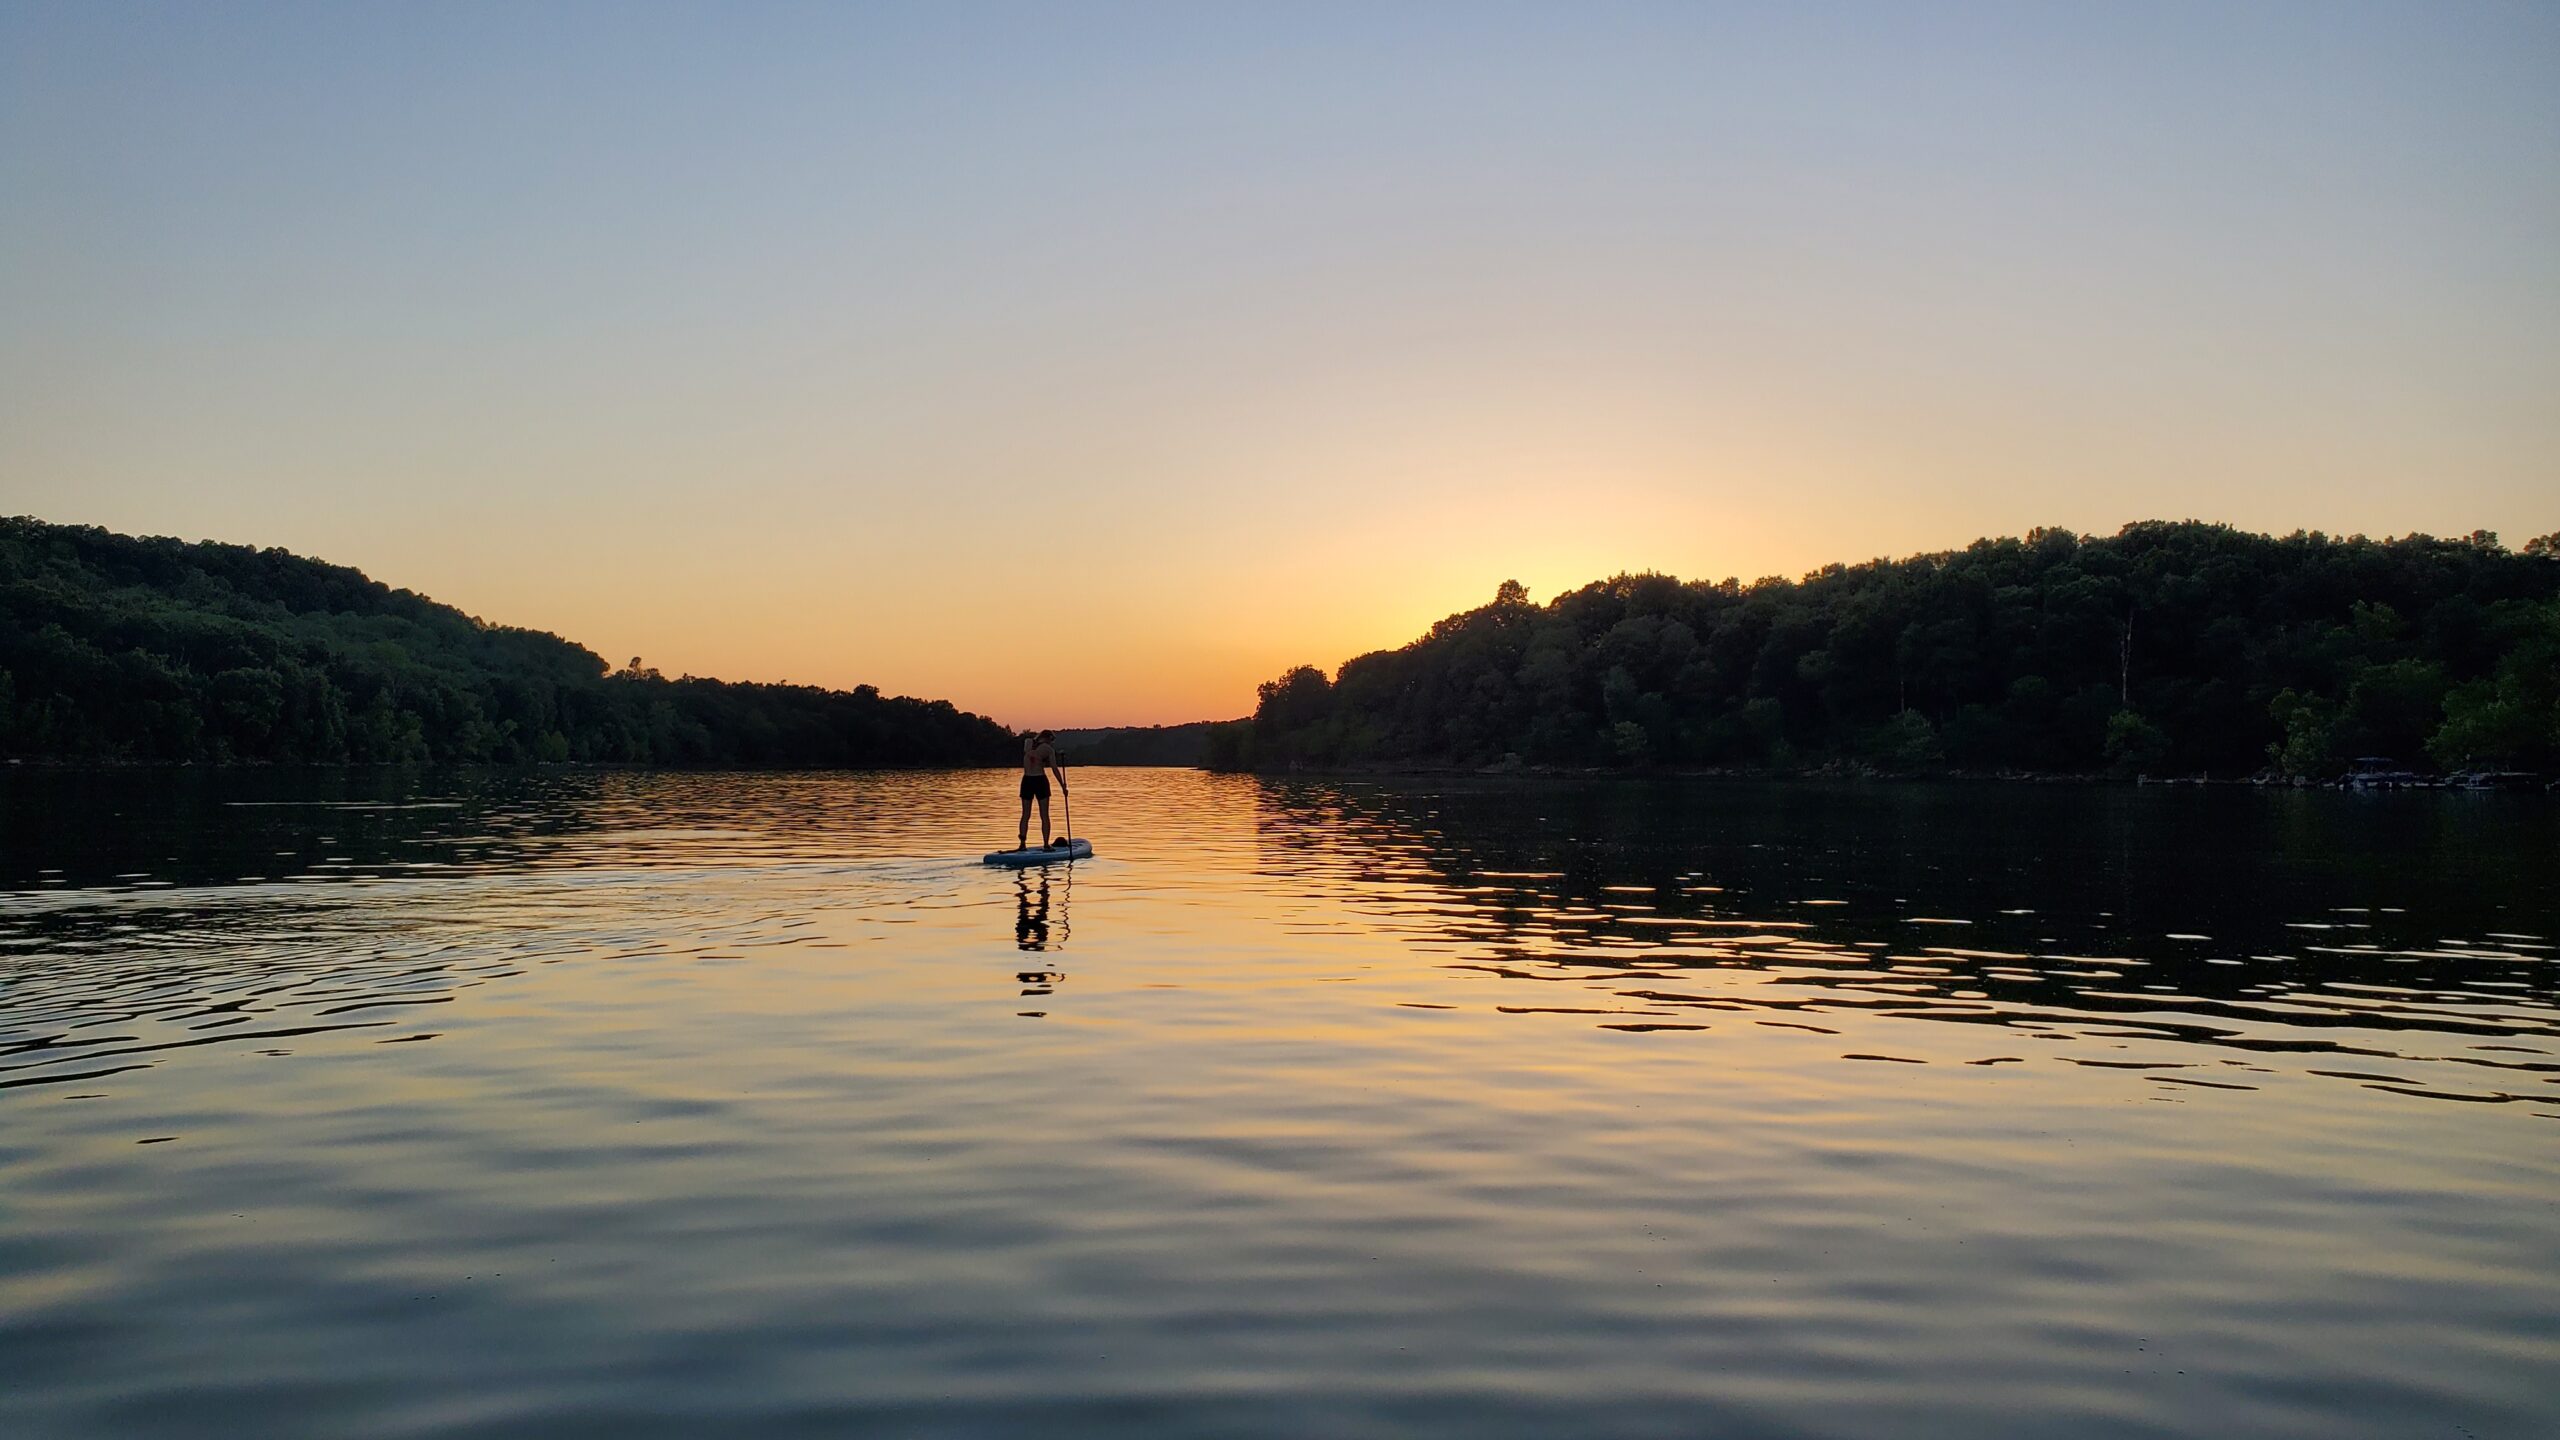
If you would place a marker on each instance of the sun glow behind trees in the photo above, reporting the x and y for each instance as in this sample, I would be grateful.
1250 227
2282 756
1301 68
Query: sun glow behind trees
1088 367
2167 648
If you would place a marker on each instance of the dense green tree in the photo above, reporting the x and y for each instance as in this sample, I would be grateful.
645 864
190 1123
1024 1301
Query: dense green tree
120 648
2512 716
2134 745
2164 648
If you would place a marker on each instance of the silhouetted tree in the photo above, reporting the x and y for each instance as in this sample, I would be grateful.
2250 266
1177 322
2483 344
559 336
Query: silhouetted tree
119 648
2165 647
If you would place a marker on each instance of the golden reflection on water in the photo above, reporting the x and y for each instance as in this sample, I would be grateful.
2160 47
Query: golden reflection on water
1305 1107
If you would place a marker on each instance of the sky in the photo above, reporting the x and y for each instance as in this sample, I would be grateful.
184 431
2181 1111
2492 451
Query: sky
1088 364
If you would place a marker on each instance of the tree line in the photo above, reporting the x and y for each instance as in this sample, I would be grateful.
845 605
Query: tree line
1185 745
120 648
2168 648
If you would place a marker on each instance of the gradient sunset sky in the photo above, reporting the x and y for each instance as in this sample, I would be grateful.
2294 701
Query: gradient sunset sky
1090 364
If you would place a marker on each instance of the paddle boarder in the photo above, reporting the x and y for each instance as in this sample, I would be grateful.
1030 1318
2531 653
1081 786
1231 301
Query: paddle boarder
1039 756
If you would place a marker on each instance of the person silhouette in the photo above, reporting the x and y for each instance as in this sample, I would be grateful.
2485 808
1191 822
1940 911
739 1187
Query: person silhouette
1039 756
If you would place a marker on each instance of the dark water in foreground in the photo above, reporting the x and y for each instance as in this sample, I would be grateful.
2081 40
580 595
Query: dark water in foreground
643 1105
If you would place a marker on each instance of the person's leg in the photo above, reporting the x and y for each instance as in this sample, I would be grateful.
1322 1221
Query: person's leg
1044 817
1022 832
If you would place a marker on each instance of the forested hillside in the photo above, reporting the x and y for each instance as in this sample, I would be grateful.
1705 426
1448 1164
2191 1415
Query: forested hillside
2169 648
120 648
1184 744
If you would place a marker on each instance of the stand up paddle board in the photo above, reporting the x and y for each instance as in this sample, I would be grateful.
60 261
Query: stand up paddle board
1042 855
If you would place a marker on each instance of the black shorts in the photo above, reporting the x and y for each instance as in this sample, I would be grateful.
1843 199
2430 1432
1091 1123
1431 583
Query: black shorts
1035 787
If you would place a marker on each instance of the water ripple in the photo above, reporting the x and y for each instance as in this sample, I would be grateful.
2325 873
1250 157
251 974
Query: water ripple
635 1104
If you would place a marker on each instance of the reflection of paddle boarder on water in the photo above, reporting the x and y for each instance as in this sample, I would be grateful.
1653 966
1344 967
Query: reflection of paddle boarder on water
1031 912
1031 929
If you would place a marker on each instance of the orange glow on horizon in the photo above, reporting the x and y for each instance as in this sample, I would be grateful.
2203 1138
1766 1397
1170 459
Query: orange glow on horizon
1102 377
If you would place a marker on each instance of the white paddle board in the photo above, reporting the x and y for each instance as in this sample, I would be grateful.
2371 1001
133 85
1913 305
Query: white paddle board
1039 855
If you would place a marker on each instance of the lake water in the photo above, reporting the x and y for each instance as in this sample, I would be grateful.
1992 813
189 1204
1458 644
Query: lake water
660 1104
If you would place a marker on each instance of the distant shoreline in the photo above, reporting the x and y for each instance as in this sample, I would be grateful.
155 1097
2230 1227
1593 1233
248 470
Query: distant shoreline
1857 773
1408 771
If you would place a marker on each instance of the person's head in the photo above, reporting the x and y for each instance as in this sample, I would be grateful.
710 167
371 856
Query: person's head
1046 737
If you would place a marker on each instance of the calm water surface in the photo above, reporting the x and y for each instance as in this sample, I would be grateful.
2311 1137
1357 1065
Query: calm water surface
637 1105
